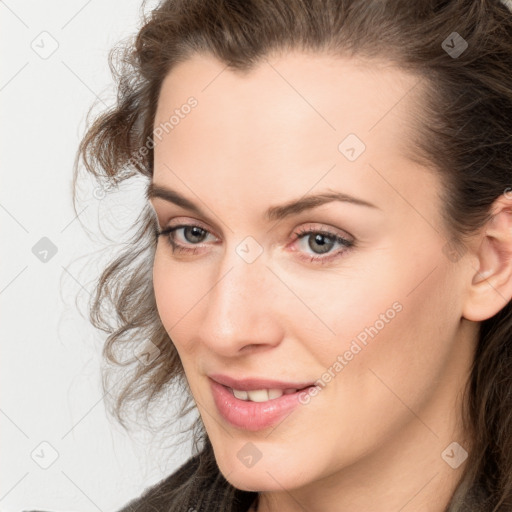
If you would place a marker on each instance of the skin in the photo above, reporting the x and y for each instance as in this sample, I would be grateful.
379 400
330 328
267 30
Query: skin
372 439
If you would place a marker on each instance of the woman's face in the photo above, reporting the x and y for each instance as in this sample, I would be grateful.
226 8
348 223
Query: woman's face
373 318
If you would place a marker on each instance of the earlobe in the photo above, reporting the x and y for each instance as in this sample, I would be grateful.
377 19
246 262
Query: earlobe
490 289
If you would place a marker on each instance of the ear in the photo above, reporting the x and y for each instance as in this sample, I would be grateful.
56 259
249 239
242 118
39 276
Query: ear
491 287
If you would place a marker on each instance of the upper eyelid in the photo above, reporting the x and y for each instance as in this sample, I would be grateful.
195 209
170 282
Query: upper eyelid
330 230
188 223
156 200
160 211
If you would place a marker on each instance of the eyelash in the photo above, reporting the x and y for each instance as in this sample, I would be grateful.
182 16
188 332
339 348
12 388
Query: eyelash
299 235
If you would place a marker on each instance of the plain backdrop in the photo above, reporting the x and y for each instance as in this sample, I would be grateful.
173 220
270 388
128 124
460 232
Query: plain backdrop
60 451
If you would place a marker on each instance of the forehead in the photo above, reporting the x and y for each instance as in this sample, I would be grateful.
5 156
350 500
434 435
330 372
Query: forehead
313 78
367 90
293 115
325 95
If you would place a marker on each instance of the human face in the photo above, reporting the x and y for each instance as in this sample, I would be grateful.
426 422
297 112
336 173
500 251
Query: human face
379 314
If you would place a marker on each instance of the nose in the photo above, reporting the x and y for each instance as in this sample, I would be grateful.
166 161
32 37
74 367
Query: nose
241 310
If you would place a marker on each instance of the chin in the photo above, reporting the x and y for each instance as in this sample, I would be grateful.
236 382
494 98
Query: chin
256 483
258 479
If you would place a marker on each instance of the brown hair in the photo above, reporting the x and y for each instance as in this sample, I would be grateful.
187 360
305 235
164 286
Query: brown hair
464 133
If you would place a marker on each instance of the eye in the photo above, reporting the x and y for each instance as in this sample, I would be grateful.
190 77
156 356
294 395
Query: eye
321 243
192 234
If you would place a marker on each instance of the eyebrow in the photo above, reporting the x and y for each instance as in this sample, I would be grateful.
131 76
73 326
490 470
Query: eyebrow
273 213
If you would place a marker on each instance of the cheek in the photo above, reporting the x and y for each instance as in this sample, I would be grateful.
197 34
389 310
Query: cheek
348 308
164 293
395 336
174 296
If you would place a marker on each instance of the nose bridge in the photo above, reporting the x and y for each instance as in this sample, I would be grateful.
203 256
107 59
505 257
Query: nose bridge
239 281
237 309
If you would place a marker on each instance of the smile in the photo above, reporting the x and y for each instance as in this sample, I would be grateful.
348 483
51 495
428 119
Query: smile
255 409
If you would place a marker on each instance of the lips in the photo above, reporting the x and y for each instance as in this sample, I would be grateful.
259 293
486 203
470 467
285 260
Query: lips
255 403
249 415
256 383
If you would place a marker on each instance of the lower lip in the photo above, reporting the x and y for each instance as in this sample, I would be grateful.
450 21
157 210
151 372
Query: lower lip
252 415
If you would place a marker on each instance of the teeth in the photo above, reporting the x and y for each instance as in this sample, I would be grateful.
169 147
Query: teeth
242 395
258 395
261 395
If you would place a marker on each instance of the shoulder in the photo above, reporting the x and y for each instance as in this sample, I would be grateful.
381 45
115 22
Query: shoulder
194 486
156 497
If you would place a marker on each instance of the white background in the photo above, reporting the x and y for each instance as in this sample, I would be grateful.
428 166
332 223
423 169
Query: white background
50 362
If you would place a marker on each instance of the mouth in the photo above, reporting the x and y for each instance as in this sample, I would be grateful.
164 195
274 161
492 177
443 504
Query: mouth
256 409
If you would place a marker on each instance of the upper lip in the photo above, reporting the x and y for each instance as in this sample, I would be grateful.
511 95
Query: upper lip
250 384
